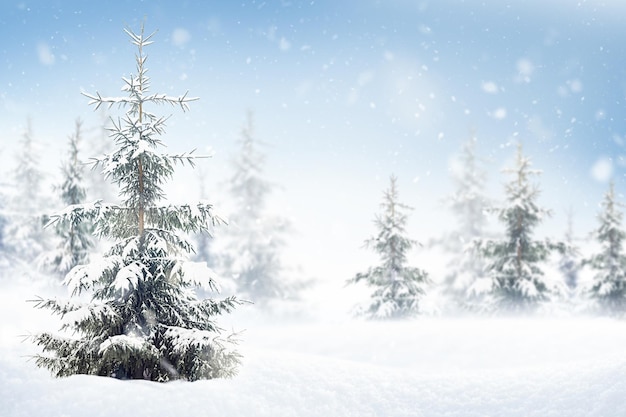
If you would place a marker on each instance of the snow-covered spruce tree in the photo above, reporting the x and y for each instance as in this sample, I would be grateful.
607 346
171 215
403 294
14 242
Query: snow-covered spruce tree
24 235
203 252
608 287
469 204
253 255
4 248
97 139
515 281
143 320
398 287
569 264
75 241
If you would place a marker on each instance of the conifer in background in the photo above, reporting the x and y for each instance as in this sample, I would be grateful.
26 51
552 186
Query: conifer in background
98 141
569 264
143 319
203 247
469 204
4 247
256 239
397 286
75 241
608 287
25 237
514 279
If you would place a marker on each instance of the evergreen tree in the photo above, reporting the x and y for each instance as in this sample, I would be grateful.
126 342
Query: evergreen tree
98 186
256 238
75 241
143 319
24 234
4 247
4 215
398 287
569 265
608 287
469 205
515 280
204 240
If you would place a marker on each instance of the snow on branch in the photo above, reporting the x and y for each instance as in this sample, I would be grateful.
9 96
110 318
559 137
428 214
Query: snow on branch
139 39
98 100
82 315
197 274
128 277
124 345
83 277
188 217
109 220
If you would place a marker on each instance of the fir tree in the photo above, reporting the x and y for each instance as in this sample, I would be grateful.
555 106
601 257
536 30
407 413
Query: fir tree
98 186
398 287
256 238
569 264
608 287
4 248
75 241
204 240
143 319
515 280
469 205
24 235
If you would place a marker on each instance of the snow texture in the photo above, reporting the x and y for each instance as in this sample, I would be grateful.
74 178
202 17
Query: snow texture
427 367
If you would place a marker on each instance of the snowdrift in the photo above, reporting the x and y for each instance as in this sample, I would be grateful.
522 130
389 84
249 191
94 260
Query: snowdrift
425 367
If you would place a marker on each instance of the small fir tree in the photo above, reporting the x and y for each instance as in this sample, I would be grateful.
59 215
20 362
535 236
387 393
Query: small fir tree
608 287
24 235
98 140
398 287
515 280
569 264
144 320
203 252
75 241
4 248
256 239
469 205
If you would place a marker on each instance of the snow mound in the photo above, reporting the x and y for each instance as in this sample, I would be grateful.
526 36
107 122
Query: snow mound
289 384
429 367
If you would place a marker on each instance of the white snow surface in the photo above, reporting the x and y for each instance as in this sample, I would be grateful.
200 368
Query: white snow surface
564 367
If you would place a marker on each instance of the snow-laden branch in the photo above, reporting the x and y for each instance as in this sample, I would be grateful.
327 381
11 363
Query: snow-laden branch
180 101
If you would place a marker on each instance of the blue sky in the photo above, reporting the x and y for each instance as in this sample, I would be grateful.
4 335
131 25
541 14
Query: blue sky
345 93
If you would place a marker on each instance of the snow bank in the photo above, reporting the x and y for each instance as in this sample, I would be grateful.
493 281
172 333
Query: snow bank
433 367
290 384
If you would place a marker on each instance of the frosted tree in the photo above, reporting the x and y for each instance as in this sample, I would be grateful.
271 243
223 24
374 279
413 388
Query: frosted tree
4 246
3 223
569 264
469 204
143 320
203 240
256 238
398 287
514 278
608 287
75 241
24 234
97 138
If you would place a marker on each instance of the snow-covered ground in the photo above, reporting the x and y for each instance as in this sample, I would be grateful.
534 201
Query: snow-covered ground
341 367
